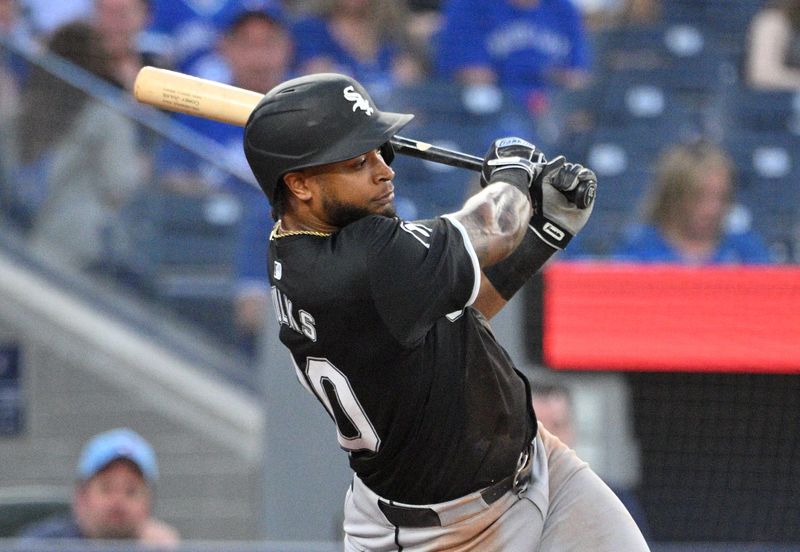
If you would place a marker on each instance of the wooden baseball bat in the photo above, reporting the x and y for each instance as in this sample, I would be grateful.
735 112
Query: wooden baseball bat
209 99
205 98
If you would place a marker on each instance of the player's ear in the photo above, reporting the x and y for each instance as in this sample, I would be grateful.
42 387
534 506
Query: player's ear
297 185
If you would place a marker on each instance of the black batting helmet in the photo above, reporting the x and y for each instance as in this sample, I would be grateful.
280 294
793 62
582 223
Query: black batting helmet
314 120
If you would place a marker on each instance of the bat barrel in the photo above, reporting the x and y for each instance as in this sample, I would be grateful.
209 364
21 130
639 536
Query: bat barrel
183 93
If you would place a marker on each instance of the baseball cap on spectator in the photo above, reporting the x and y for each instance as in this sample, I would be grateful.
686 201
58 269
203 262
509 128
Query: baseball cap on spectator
271 9
122 443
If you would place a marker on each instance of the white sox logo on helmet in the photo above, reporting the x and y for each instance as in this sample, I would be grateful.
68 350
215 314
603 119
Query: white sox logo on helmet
359 102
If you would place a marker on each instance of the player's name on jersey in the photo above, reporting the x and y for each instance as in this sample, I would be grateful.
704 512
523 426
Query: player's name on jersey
303 323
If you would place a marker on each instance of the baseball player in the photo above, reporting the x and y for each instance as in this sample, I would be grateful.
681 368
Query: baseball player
386 322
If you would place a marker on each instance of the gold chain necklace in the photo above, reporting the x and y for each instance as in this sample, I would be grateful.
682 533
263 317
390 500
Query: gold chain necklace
278 232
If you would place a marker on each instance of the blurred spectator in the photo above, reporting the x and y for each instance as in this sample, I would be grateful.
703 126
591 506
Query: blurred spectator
526 47
254 47
685 213
424 23
185 30
366 39
47 15
254 52
121 24
609 14
773 47
82 153
113 496
553 404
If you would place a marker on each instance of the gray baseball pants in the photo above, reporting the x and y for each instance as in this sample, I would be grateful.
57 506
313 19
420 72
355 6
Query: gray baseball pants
565 508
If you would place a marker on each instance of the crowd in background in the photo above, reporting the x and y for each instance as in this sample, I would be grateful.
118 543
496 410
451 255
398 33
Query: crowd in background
530 52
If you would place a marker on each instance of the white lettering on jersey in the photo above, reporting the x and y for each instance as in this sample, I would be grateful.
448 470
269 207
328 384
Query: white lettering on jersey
287 308
307 324
277 270
284 312
276 303
421 233
359 102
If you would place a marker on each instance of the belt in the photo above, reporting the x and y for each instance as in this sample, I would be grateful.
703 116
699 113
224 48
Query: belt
424 516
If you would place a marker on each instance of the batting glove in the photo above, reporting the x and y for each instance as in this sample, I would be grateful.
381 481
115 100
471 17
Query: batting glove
512 160
556 217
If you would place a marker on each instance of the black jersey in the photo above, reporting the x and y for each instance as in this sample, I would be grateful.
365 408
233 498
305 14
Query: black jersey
377 319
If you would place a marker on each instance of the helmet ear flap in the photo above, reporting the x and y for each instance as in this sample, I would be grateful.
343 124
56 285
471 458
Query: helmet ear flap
387 152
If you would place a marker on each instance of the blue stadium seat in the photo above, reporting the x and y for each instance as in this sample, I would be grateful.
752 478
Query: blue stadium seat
182 234
752 110
638 102
572 115
681 58
614 150
768 171
722 17
183 254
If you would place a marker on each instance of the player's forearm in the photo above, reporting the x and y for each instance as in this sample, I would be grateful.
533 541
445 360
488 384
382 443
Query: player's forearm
495 219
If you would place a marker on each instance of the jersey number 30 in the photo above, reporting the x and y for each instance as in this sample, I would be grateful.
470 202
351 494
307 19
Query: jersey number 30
332 388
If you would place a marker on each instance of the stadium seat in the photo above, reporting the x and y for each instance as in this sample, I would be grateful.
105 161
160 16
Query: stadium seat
638 102
183 253
23 505
573 114
730 17
681 58
752 110
611 151
184 234
768 175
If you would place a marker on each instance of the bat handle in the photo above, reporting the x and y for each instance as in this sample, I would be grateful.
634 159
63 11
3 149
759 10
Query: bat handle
582 196
424 150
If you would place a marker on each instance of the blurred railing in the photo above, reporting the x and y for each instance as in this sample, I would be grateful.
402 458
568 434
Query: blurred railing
166 258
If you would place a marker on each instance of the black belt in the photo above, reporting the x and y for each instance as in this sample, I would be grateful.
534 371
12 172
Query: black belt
420 516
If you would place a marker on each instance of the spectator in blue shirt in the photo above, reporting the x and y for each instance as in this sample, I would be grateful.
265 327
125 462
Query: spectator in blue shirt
186 29
365 39
685 213
526 47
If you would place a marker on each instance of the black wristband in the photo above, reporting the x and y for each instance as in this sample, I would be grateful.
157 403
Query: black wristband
519 178
510 274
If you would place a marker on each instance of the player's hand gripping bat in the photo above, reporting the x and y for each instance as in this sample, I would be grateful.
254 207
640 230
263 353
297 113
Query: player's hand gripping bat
205 98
